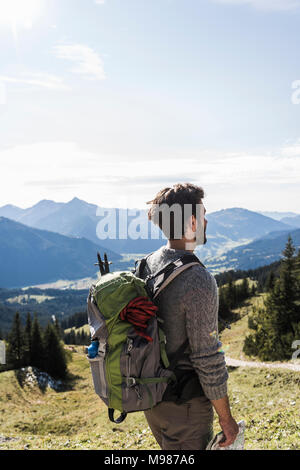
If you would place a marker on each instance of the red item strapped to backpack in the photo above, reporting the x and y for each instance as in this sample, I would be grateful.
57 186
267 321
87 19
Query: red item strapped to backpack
138 311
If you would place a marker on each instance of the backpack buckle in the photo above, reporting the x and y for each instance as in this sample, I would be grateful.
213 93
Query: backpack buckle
130 381
129 345
102 349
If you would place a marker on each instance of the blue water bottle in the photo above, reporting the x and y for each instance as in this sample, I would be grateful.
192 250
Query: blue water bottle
93 349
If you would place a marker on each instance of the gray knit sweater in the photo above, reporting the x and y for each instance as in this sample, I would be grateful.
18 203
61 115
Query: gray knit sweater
189 307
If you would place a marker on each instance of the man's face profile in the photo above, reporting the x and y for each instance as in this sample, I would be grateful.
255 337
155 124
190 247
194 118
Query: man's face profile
196 233
201 224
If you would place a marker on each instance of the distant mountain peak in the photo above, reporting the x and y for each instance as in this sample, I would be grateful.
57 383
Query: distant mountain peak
9 206
80 204
76 200
234 210
44 202
241 209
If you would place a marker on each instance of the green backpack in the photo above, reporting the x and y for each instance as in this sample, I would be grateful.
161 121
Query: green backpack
131 370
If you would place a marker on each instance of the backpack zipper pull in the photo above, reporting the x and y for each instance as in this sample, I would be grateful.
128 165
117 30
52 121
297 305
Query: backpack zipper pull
130 345
137 391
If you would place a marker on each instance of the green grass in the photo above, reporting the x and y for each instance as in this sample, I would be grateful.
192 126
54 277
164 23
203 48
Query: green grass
72 419
77 419
233 339
268 401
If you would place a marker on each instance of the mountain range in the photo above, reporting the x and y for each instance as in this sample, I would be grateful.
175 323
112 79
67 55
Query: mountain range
79 218
293 221
262 251
227 228
54 240
278 215
31 256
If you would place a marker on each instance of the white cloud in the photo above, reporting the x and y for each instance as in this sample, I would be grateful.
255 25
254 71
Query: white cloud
99 2
3 93
88 63
264 4
62 170
36 79
291 149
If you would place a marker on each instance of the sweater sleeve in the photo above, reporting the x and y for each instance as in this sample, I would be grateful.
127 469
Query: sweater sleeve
201 307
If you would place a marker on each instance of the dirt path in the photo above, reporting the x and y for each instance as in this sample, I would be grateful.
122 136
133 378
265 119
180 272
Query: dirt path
295 367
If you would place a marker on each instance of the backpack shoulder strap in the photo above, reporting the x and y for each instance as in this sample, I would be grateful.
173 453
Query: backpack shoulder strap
166 275
163 278
140 266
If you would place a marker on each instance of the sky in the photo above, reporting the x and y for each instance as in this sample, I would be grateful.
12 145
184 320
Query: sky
112 100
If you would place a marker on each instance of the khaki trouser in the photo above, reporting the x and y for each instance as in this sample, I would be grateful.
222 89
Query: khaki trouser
182 427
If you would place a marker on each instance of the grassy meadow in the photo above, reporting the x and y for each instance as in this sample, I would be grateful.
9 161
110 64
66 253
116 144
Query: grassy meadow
233 339
75 418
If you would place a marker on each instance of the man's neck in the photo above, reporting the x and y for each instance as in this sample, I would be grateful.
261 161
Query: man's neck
182 244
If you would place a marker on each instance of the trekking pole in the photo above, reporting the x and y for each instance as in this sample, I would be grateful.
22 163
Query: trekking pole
106 264
103 266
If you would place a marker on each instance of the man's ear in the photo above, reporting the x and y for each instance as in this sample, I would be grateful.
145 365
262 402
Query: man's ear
189 230
194 223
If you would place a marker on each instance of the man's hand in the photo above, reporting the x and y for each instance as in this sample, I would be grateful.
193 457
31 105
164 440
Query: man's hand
230 429
228 424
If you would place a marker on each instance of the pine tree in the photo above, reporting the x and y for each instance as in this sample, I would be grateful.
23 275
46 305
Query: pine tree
224 310
72 337
55 363
289 287
81 337
245 290
278 324
270 281
297 265
78 337
37 346
28 340
58 328
84 338
231 294
15 347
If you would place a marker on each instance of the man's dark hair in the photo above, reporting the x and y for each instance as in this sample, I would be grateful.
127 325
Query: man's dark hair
179 195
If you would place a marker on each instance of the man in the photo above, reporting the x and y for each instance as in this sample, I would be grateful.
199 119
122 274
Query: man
189 309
